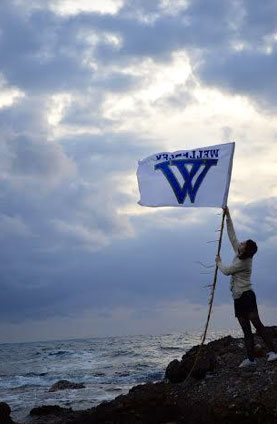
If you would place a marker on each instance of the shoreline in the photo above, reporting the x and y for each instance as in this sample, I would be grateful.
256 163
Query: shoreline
218 390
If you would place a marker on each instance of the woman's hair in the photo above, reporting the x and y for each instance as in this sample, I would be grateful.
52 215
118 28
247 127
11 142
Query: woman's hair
250 250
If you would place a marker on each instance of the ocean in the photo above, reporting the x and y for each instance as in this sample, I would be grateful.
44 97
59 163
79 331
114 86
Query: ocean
108 367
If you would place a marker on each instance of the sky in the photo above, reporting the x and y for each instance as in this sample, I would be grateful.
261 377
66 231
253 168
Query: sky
88 88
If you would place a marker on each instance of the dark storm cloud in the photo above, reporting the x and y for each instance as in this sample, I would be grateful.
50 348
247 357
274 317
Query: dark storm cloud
160 263
34 157
211 34
112 152
107 278
259 20
42 52
45 52
32 56
250 28
247 73
27 115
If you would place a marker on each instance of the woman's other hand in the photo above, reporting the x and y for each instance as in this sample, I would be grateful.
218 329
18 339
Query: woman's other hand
226 210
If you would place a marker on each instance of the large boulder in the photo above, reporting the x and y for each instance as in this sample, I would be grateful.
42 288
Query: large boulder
48 410
177 371
271 330
52 414
64 384
5 412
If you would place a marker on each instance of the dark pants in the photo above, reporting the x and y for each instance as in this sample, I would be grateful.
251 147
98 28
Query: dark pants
246 312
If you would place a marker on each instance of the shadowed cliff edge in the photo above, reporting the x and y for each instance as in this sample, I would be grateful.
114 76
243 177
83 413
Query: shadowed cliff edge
217 392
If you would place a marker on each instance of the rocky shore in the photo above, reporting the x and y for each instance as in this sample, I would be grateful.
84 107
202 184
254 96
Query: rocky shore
217 392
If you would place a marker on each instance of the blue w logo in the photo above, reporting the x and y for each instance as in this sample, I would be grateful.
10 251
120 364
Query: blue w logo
188 175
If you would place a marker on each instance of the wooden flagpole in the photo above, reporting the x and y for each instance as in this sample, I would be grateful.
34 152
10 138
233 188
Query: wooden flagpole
215 277
211 298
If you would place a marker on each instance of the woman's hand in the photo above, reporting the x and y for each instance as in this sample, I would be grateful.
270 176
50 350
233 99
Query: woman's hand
217 259
226 210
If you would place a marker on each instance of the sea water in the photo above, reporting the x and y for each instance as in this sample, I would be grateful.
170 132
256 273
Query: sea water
108 367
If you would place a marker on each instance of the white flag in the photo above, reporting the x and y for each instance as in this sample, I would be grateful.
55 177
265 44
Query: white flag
187 178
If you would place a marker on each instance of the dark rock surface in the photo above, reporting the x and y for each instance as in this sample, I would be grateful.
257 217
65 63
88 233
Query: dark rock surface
49 410
65 384
177 371
5 412
218 393
272 330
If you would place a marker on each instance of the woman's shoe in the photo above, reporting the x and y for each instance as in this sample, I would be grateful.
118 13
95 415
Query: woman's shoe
271 356
247 363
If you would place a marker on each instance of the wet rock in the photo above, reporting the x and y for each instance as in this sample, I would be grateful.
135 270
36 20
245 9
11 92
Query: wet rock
259 351
271 330
176 371
5 412
64 384
48 410
52 414
222 393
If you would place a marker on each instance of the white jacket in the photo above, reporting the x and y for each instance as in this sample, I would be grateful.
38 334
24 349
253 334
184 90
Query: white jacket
240 270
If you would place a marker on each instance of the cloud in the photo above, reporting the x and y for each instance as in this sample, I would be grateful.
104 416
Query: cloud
225 41
88 89
9 95
248 73
35 165
69 7
11 226
166 317
38 158
160 263
34 56
243 63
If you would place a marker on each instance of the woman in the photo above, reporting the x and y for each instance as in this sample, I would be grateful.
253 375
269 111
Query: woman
245 304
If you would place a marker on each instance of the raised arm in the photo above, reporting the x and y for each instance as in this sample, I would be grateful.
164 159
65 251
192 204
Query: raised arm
231 269
231 231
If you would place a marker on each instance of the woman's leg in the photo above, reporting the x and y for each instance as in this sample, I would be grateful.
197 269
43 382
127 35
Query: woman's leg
255 319
248 337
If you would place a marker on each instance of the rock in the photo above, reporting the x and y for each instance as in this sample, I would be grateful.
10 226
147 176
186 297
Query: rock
48 410
272 330
5 412
227 395
177 371
64 384
259 351
52 414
